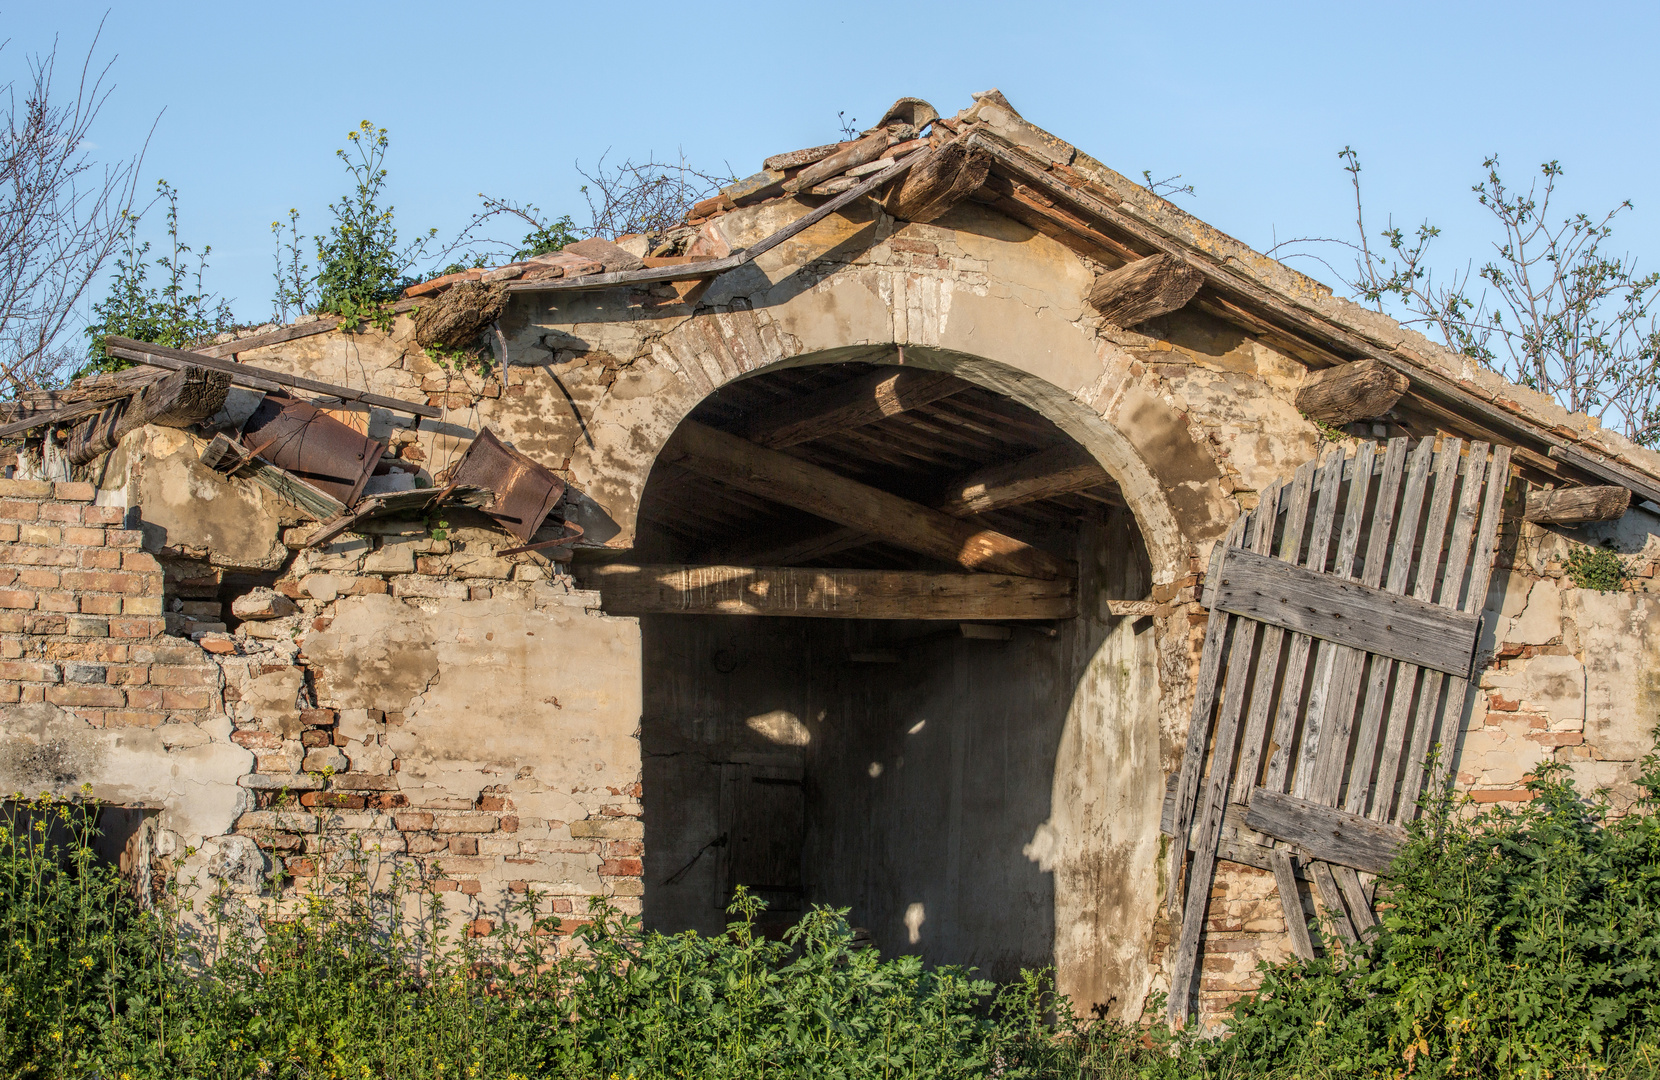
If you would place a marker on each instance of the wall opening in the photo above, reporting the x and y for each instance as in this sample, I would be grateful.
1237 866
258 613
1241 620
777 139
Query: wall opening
913 770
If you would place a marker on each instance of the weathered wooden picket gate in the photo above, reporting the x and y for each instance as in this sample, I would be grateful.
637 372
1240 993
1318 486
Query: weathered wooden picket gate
1344 616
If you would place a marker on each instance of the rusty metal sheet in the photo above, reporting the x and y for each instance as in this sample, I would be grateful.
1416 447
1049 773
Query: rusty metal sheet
525 491
301 439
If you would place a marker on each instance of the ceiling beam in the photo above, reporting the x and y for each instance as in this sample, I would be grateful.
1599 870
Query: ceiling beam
826 594
881 394
818 491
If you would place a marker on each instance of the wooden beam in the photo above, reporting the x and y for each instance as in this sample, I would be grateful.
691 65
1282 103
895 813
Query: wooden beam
255 378
1144 289
1335 608
943 179
179 400
1045 474
1356 391
1324 832
227 349
1568 506
817 490
862 401
826 594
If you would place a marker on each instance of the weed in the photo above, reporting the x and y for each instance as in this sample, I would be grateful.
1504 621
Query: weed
1596 568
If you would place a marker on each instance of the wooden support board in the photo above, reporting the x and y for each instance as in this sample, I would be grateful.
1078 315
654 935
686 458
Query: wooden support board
827 594
1338 654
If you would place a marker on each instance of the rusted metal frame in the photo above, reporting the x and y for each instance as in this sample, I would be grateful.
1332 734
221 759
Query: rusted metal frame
1198 727
715 267
1450 588
1364 756
1259 537
1481 571
1407 676
1316 326
526 491
1329 484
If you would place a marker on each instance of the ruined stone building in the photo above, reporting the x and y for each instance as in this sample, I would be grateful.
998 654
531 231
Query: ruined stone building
857 541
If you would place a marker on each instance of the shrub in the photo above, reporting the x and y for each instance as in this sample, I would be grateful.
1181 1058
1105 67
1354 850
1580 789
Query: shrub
1596 568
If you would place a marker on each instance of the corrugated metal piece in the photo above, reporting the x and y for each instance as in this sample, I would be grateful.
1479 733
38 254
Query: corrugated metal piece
525 491
301 439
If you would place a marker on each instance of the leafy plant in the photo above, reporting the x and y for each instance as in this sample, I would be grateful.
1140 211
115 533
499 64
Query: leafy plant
360 264
177 313
1596 568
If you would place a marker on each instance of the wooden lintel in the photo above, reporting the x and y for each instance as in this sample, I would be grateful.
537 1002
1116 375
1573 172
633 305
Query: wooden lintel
1324 832
1144 289
1570 506
805 486
827 594
1357 391
862 401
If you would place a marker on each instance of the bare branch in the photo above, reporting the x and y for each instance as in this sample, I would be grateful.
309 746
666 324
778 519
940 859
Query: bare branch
646 197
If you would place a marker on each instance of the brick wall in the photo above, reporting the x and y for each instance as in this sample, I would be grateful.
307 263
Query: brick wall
81 622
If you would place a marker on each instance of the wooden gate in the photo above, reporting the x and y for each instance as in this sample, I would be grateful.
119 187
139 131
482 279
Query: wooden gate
1344 616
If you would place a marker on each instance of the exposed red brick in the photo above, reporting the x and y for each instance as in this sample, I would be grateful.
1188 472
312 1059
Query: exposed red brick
413 822
333 799
187 699
59 513
103 515
74 491
26 672
133 718
463 845
17 600
1489 795
168 675
622 868
17 510
101 605
83 537
95 696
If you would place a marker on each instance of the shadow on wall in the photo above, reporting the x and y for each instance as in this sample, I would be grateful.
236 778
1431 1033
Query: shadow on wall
905 771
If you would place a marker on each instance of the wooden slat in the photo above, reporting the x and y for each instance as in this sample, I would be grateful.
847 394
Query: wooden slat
1481 570
1331 900
1348 665
1407 676
1329 484
827 594
1448 592
1335 609
1324 832
1259 536
255 377
1295 502
1198 726
817 490
1296 923
1364 754
1354 896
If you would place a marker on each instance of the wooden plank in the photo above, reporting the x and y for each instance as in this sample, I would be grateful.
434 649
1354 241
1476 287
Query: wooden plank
1348 664
1481 570
1042 475
1570 506
1336 609
1364 754
1329 483
881 394
1606 468
1331 900
1357 391
1144 289
255 377
1448 591
1198 725
228 349
827 594
731 262
52 417
1296 922
1324 832
1214 792
1407 676
793 482
1355 898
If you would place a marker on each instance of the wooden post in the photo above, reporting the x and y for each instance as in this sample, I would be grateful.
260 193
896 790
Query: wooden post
1350 392
1144 289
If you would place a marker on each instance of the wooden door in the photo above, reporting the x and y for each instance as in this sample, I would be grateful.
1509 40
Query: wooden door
1340 645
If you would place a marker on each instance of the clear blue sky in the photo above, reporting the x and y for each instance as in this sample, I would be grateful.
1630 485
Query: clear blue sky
1250 103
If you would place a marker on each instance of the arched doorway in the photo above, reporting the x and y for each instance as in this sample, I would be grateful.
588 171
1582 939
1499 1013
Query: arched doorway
951 778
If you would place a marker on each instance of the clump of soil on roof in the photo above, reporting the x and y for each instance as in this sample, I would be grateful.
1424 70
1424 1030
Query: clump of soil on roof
454 318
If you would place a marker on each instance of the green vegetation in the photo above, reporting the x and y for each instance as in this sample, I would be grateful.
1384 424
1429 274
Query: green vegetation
177 314
1516 943
1596 568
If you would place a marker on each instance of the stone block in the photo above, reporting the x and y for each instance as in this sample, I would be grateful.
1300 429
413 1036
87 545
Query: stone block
466 823
259 604
280 782
395 556
325 759
424 588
